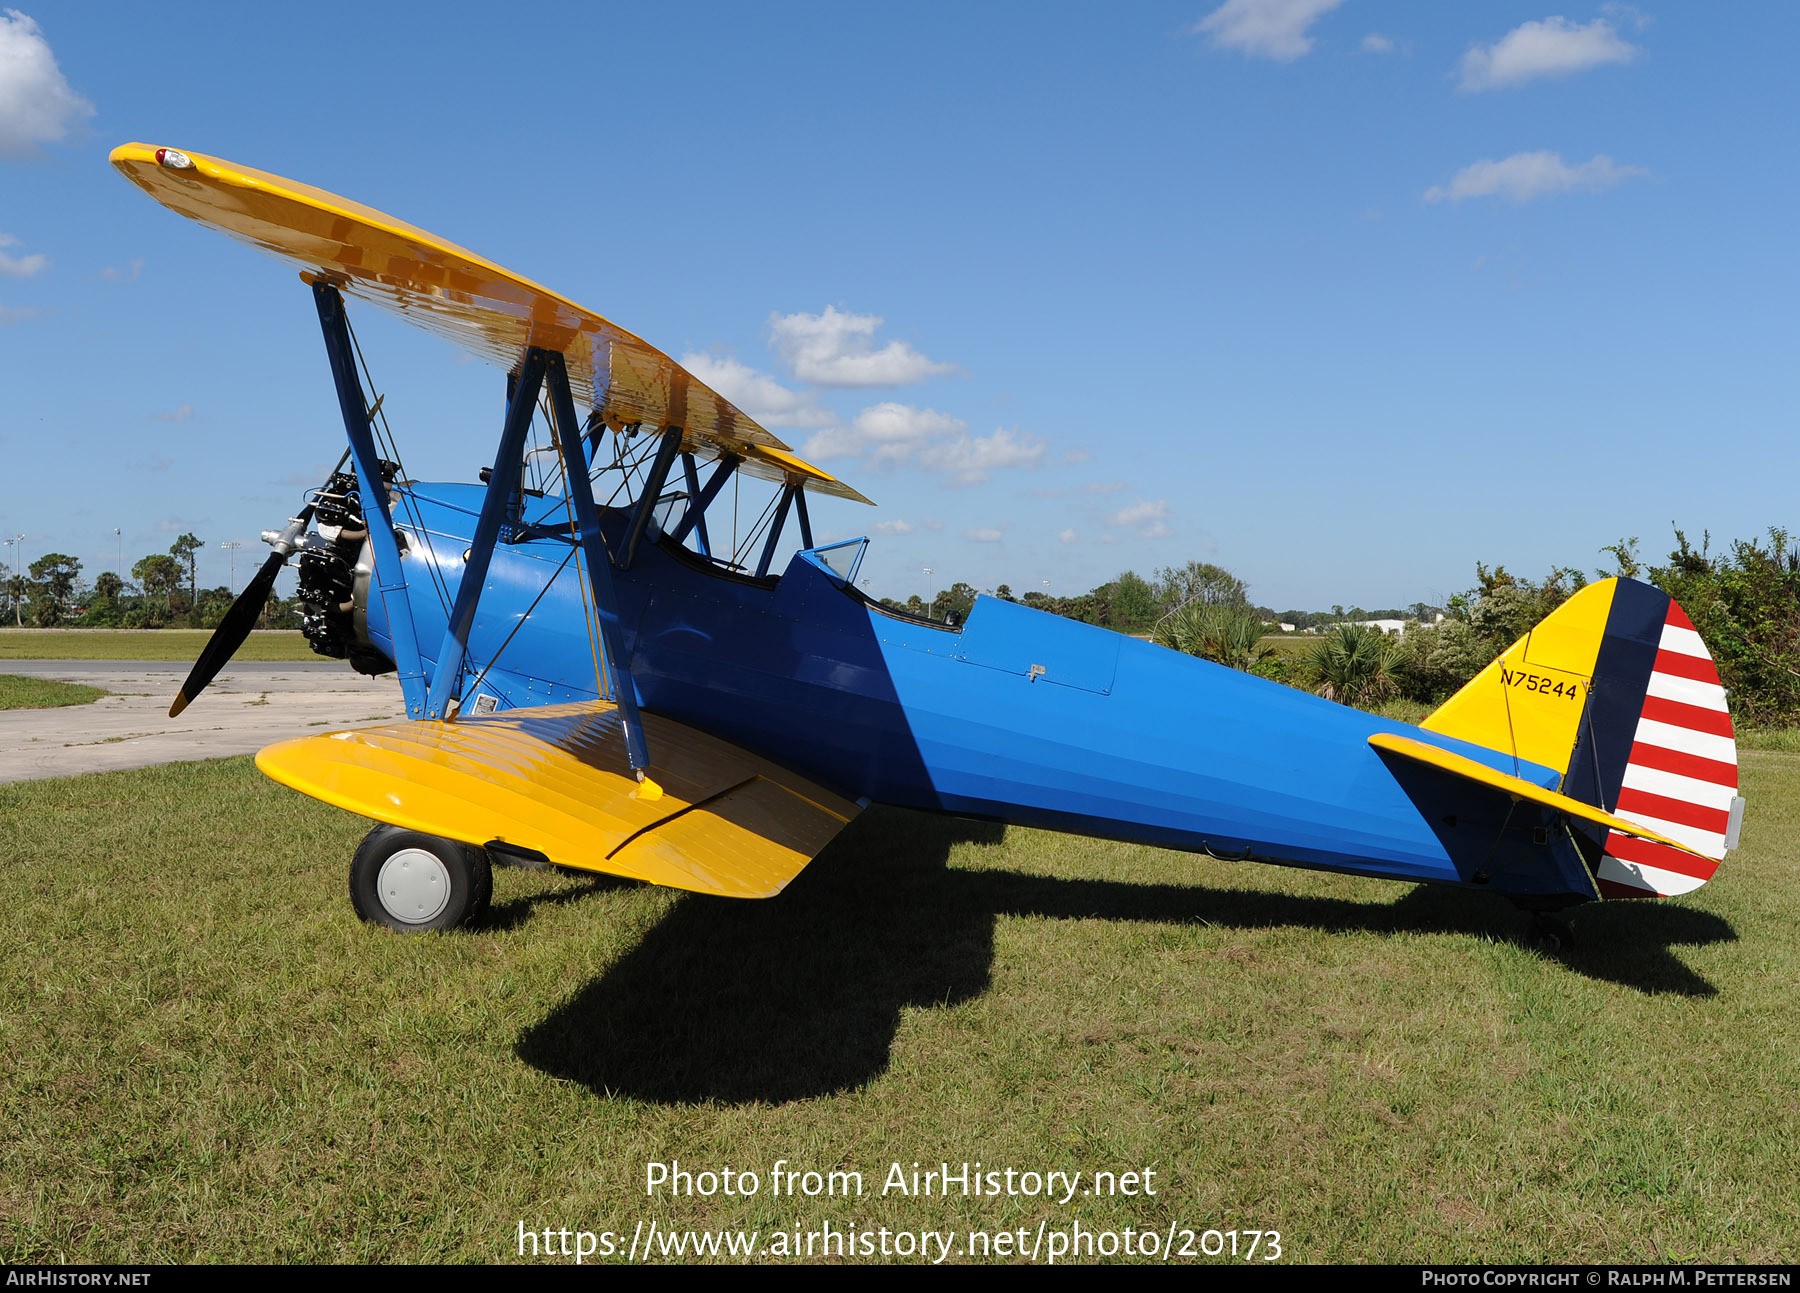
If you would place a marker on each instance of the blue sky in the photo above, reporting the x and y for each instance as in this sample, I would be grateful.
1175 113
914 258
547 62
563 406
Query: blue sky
1342 296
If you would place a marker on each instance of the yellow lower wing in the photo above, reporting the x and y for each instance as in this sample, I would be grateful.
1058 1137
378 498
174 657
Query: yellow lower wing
554 782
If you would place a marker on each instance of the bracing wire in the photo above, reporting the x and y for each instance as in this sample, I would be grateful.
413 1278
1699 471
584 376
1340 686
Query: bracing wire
495 658
391 445
590 614
763 518
548 478
624 464
557 477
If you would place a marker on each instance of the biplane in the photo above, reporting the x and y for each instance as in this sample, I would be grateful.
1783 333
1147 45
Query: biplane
593 684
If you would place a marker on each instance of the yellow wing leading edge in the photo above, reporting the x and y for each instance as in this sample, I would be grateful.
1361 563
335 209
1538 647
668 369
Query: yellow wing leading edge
555 782
465 298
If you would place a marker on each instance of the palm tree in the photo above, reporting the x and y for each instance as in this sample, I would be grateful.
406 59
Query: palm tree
1355 665
1225 634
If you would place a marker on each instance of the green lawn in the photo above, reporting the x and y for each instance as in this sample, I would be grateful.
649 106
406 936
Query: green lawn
205 1056
45 693
1288 644
143 644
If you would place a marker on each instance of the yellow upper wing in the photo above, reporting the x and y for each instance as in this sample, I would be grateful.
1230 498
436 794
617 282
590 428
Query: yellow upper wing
466 298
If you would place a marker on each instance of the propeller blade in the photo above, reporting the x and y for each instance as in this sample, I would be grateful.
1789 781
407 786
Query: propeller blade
235 627
230 634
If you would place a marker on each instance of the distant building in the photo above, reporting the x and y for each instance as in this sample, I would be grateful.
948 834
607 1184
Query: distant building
1396 627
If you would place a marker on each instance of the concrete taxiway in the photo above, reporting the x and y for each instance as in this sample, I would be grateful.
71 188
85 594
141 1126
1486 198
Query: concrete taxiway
247 706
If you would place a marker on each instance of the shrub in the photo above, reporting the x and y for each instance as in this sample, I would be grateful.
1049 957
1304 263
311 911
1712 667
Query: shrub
1221 632
1355 665
1746 605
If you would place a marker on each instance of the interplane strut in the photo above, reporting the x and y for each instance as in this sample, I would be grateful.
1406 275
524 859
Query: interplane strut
390 580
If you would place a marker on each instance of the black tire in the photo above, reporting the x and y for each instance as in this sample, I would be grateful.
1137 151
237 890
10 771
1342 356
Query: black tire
440 884
1552 937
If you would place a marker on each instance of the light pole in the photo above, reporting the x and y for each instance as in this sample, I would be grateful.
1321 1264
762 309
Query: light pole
121 538
927 570
232 545
17 544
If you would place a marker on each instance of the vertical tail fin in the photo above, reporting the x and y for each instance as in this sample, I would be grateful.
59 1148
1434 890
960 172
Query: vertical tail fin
1616 691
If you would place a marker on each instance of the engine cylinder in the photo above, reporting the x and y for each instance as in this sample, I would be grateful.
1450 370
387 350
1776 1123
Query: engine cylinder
334 577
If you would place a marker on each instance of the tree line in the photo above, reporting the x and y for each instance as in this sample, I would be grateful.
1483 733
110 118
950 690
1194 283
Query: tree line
1134 604
1744 598
163 592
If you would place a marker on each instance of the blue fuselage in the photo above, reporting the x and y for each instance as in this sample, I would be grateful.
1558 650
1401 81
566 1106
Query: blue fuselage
1017 716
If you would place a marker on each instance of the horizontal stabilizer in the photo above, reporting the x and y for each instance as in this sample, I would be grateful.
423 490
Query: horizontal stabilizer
554 783
1468 769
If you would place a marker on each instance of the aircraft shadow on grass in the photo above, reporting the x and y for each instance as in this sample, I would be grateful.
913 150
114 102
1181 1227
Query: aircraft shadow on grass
768 1002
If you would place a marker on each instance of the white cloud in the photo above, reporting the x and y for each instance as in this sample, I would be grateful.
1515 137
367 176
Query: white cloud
891 434
1265 28
1103 487
968 460
112 274
1553 47
932 523
893 527
984 536
1149 517
1524 176
36 104
20 266
1068 536
18 313
181 414
1074 456
887 433
837 348
758 394
1376 43
1139 512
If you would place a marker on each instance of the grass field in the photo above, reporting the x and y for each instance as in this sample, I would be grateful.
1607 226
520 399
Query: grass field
44 693
142 644
1288 644
206 1057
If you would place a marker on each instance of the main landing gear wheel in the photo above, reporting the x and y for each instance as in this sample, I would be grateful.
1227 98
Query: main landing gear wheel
1551 937
413 882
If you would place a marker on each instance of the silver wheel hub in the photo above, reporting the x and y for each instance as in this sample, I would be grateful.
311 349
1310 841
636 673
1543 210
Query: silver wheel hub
414 886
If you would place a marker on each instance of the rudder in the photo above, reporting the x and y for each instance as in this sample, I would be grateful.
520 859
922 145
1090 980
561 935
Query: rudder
1618 693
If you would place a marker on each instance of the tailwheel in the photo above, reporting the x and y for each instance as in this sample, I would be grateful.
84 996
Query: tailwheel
412 882
1551 936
